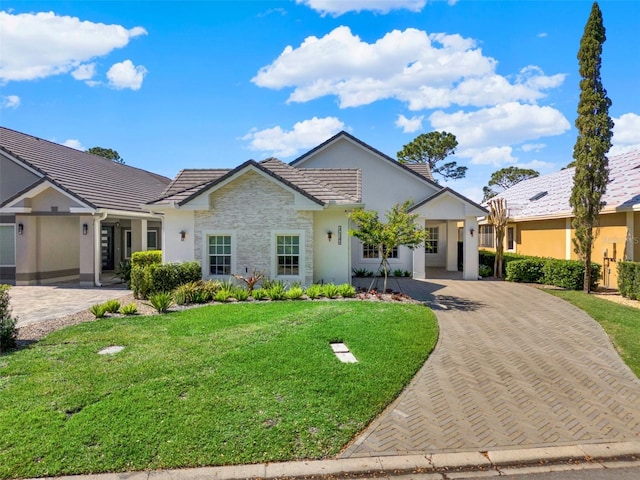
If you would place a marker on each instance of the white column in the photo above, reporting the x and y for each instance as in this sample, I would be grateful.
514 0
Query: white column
418 257
143 226
452 246
568 245
470 271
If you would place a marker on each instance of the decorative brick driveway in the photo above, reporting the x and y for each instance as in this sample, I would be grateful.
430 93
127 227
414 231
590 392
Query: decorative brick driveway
514 367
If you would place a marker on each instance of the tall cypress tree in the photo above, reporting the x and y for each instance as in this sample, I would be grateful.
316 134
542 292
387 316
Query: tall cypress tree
594 141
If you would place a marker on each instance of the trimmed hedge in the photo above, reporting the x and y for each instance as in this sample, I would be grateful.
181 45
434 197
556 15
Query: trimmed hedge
150 276
485 257
629 279
550 271
143 259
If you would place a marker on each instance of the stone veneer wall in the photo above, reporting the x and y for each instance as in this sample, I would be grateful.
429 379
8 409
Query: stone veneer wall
253 207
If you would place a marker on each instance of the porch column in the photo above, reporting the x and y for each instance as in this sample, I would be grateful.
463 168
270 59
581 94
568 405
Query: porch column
452 246
470 270
631 234
86 250
138 235
419 270
27 251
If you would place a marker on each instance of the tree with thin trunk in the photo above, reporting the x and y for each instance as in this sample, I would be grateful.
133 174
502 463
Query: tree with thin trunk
498 217
430 149
399 230
506 178
594 141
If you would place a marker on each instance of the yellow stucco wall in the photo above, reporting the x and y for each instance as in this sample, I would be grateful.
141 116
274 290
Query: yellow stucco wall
542 238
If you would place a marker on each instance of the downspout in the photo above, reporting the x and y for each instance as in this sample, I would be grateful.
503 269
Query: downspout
97 251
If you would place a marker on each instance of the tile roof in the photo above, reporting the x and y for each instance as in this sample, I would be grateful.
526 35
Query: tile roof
98 181
421 169
623 190
322 185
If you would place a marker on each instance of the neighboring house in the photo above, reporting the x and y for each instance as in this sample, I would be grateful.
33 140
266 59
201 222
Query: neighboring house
66 215
540 217
291 221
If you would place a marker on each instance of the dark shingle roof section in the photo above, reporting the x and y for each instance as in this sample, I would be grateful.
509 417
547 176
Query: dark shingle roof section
98 181
428 178
192 177
347 181
421 169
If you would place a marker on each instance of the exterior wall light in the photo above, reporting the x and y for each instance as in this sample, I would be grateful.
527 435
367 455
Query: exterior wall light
20 229
183 235
329 234
471 230
85 228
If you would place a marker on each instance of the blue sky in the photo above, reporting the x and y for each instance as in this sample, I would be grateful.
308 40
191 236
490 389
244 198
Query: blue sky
210 84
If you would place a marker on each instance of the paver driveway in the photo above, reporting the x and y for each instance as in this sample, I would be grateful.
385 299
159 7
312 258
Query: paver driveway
514 367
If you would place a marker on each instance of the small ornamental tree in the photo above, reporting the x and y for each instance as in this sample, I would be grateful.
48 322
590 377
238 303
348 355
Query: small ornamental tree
498 217
399 230
594 141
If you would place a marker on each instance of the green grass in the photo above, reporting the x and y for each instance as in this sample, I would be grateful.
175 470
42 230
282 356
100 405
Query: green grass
223 384
621 323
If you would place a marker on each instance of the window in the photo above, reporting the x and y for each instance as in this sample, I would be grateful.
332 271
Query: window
486 236
220 254
152 240
8 245
371 251
511 238
127 244
431 243
288 254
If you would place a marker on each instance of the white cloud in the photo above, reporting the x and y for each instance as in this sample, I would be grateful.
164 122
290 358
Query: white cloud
126 75
409 125
537 165
496 156
542 35
10 101
84 72
306 134
424 71
626 134
532 147
38 45
506 124
73 143
336 8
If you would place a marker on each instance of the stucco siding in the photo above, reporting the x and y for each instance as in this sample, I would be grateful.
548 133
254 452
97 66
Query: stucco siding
331 257
544 238
14 178
253 209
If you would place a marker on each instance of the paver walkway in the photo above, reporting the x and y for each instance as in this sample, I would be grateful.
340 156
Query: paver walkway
33 304
514 368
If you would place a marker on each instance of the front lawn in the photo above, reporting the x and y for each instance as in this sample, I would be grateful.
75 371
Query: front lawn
622 323
223 384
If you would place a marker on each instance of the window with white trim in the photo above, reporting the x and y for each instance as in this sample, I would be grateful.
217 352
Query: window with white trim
219 254
431 242
288 254
127 244
486 236
152 240
371 251
8 245
511 238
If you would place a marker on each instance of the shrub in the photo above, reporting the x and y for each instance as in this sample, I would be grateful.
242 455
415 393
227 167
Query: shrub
330 290
223 295
124 272
347 291
200 295
267 283
154 278
259 294
485 271
161 301
8 332
211 287
295 293
528 270
143 259
407 273
398 272
276 291
629 279
111 306
361 272
183 294
130 309
240 293
569 274
251 280
98 310
314 291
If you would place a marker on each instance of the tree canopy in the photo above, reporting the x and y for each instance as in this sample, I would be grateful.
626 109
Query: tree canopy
505 178
400 229
595 129
430 149
106 153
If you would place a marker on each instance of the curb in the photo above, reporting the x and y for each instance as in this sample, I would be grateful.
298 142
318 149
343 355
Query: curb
579 456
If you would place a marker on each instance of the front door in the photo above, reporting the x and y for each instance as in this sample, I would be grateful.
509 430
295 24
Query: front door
106 247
